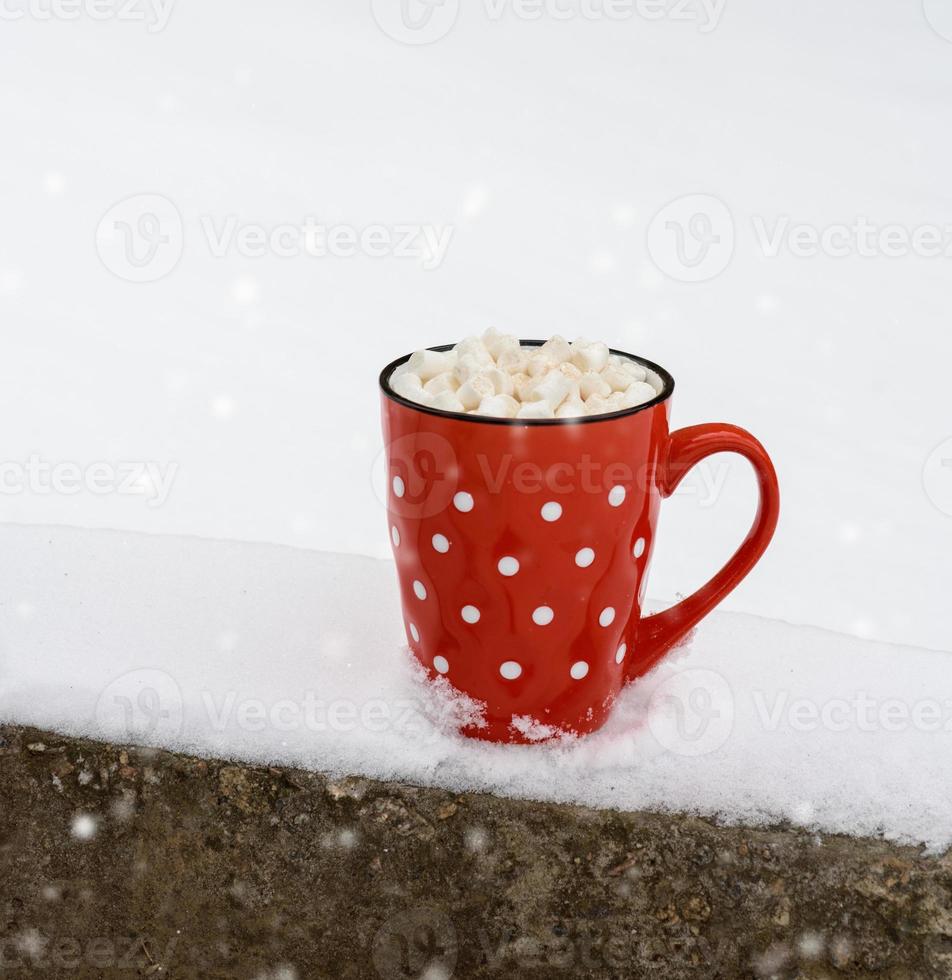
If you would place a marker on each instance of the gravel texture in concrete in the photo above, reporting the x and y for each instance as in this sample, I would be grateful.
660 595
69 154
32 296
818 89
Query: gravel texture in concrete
123 862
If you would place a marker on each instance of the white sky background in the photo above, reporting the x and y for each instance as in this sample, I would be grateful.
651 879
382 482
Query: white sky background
548 146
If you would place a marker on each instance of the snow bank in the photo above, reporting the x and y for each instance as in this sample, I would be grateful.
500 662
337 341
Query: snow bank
270 654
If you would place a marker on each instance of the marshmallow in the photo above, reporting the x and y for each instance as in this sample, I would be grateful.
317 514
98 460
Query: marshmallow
472 392
499 343
618 378
442 382
407 385
638 393
522 384
635 371
553 388
500 406
447 401
428 364
571 408
557 350
470 364
535 410
539 364
594 384
501 380
494 376
473 347
514 361
596 405
588 356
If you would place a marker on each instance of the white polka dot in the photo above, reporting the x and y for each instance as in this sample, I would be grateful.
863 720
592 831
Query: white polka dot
639 548
607 616
584 558
470 614
542 616
441 665
620 653
395 537
508 566
463 502
551 511
579 670
398 488
415 633
419 589
616 496
510 670
441 543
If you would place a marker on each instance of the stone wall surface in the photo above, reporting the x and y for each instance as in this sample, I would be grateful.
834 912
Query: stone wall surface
118 862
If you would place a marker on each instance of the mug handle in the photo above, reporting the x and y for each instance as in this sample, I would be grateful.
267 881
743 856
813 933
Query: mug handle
656 634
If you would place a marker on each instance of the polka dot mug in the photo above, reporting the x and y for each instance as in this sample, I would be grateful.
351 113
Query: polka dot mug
522 548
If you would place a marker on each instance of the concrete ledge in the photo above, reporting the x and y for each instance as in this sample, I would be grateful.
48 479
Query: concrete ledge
123 862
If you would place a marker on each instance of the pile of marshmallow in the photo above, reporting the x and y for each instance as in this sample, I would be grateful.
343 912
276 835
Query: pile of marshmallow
494 375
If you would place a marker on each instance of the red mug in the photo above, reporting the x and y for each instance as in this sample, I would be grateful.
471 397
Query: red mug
522 548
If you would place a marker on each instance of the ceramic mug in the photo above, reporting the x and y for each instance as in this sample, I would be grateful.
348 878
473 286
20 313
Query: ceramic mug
522 550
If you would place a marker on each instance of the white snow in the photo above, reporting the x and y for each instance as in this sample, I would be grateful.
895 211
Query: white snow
272 654
83 826
549 146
